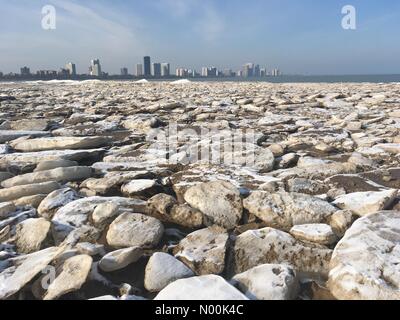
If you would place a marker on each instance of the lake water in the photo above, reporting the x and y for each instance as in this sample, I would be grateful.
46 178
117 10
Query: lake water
394 78
315 79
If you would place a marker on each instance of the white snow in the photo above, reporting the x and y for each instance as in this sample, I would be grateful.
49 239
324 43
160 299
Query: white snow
182 81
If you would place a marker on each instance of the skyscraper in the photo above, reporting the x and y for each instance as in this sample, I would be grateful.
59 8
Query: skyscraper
165 69
248 70
95 68
147 66
181 72
64 73
276 73
71 69
139 70
212 72
209 72
25 71
156 70
257 71
124 71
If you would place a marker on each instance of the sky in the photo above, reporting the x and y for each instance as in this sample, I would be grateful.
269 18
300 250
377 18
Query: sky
298 37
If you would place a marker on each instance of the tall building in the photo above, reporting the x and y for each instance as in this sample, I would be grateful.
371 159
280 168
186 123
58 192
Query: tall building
95 68
181 72
257 71
124 71
275 73
156 68
46 73
71 69
209 72
227 73
191 73
25 71
248 70
139 70
147 66
165 69
263 72
212 72
64 72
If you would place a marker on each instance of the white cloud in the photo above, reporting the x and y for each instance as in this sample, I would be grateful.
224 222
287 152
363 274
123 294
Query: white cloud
204 18
88 17
211 25
178 8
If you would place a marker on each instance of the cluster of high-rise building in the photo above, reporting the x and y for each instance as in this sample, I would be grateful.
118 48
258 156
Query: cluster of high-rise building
68 71
250 70
147 69
95 68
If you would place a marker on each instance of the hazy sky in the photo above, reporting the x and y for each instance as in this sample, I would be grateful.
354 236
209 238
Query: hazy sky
297 36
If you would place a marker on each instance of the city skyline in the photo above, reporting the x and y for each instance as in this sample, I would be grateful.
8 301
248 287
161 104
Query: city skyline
304 38
155 70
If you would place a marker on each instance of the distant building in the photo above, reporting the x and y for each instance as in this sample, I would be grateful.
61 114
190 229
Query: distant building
156 68
46 73
147 66
63 72
95 68
275 73
71 69
165 69
181 72
257 71
263 72
139 70
209 72
25 71
1 74
227 73
192 73
248 70
124 71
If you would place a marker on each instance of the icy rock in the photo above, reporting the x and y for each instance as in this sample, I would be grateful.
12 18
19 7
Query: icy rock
364 203
210 287
364 264
204 250
119 259
268 282
163 269
134 229
219 201
283 210
31 234
255 247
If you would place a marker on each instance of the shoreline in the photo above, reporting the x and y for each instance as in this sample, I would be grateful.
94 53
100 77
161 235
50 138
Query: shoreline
372 79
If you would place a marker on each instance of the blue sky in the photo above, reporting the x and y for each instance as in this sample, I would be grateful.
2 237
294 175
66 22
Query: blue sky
297 36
